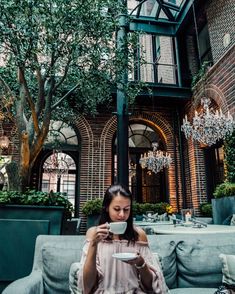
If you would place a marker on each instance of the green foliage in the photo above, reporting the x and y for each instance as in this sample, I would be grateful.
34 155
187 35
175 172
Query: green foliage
230 157
206 209
93 206
142 208
32 197
201 73
61 59
224 190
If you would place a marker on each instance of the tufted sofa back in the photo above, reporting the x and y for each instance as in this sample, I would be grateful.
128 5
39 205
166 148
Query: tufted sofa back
187 260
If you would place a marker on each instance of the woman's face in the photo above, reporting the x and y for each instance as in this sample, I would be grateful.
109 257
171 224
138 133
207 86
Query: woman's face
119 208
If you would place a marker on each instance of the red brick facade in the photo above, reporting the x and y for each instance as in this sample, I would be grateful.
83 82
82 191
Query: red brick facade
219 87
97 133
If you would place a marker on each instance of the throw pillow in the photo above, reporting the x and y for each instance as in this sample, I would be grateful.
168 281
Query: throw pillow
73 272
165 253
228 268
232 222
56 265
198 259
224 290
227 221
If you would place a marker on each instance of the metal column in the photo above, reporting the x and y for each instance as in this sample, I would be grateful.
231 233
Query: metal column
122 101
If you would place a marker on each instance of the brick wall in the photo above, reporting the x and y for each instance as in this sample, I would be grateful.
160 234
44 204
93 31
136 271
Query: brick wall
219 87
96 151
220 16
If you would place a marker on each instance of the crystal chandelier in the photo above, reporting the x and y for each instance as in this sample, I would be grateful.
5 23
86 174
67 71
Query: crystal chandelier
208 126
56 164
155 160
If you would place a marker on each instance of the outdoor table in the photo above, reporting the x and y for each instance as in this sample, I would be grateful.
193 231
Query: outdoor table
150 224
210 229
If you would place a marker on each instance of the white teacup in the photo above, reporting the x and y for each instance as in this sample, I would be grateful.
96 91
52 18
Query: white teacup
117 227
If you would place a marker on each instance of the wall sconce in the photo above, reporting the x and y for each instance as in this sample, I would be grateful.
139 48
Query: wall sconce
4 142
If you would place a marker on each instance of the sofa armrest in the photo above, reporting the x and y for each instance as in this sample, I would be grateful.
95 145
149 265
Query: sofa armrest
31 284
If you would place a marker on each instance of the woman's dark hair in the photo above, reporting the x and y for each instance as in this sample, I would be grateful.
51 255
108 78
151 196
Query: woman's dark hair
113 191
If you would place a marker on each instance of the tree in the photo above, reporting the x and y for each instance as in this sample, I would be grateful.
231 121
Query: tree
230 157
54 53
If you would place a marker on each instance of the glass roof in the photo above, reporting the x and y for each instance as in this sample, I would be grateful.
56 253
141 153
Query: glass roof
157 9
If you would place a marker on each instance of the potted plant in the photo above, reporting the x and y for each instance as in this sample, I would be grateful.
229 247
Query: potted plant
140 209
92 209
223 205
36 200
24 216
206 209
205 213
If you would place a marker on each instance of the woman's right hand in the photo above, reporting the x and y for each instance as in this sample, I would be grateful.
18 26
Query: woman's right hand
100 232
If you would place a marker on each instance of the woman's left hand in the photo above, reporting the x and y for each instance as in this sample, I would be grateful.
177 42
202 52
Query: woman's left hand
138 261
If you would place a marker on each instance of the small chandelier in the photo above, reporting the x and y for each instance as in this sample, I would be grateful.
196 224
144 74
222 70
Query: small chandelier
208 126
56 164
155 160
4 142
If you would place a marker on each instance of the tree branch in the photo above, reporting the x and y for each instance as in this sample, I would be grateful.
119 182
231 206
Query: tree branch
7 87
23 82
65 96
41 82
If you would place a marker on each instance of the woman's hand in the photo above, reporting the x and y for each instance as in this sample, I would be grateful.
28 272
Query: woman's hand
100 232
138 261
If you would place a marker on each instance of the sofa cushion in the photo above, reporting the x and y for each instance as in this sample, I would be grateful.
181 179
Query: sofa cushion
198 261
228 268
56 265
167 257
193 291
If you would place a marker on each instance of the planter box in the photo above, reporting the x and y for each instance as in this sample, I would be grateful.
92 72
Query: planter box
222 208
92 220
19 227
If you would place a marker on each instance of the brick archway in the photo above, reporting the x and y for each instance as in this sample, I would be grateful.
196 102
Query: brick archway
156 121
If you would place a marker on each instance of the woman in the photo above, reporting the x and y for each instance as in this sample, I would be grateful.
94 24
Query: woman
102 273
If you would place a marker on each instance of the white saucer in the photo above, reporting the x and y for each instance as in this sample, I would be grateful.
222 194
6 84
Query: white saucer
125 256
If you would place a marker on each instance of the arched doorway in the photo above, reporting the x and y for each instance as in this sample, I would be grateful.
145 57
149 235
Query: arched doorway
57 165
145 185
215 174
59 174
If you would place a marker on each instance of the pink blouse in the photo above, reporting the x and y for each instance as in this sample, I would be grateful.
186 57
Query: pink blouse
117 277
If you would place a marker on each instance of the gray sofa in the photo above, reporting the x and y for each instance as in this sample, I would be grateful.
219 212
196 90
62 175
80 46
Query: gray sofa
191 263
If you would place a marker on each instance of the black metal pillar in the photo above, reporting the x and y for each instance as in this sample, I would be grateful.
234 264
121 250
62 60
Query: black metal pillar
122 101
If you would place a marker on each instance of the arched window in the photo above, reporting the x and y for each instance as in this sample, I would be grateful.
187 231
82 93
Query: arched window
146 186
57 165
59 174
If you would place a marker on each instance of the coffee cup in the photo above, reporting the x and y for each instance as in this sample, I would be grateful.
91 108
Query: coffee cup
117 227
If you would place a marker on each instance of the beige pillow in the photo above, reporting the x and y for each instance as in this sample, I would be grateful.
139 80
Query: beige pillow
232 222
228 268
73 278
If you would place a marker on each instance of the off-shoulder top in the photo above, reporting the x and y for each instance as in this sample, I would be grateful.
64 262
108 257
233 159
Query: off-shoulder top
117 277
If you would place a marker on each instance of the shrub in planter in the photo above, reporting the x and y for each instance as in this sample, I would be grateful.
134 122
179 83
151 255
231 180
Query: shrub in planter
24 216
93 206
143 208
160 207
224 190
223 206
38 198
206 209
137 209
92 209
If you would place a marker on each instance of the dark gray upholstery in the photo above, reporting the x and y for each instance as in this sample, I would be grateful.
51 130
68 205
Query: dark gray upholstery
190 262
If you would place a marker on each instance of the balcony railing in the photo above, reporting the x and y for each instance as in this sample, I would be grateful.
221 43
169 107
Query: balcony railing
160 73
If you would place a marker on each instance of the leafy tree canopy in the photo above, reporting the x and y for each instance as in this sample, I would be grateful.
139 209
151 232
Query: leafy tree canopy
53 53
